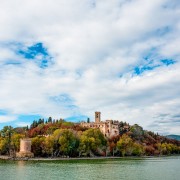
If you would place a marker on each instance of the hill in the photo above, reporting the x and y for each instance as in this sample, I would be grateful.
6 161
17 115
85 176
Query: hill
59 138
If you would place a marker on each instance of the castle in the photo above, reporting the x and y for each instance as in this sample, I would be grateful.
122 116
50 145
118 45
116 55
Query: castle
109 127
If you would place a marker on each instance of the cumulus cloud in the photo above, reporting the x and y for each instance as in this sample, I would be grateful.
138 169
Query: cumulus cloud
120 57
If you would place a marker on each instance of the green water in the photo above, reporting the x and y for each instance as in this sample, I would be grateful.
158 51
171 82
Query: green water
167 168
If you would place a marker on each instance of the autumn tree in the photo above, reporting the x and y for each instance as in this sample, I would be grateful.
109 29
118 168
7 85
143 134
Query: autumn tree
112 144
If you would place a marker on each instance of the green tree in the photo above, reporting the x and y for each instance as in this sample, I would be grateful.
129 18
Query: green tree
38 145
15 141
50 130
91 141
137 132
125 145
66 140
50 120
3 145
138 149
7 132
88 120
49 145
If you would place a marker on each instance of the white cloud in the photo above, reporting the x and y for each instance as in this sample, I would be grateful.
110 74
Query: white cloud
22 124
95 46
7 118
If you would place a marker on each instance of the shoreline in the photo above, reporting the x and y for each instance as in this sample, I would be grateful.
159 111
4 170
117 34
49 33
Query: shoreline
80 158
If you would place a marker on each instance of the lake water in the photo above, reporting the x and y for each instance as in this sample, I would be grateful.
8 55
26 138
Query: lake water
166 168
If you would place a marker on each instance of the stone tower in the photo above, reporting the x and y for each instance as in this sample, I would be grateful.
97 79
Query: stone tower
25 148
97 117
25 145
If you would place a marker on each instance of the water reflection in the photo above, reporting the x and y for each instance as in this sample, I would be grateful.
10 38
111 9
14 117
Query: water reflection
123 169
21 169
21 164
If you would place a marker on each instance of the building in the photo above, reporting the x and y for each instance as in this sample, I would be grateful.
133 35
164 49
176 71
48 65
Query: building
109 127
25 148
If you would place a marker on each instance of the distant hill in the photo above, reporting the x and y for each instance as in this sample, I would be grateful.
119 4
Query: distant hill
172 136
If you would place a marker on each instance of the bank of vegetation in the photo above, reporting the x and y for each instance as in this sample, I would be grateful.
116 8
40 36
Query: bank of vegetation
58 138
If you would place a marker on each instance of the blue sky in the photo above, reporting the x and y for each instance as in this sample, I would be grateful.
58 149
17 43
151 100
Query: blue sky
68 59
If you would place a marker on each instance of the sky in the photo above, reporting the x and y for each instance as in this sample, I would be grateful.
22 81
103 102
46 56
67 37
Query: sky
70 58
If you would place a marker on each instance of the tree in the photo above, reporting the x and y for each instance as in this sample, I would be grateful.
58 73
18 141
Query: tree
149 150
67 141
90 141
15 141
88 120
137 132
87 145
7 132
37 145
125 145
50 120
138 149
112 143
49 145
3 145
50 130
34 124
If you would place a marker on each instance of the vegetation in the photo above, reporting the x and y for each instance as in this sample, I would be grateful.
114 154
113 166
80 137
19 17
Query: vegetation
58 138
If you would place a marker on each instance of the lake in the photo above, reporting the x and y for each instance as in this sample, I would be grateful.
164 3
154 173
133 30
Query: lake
162 168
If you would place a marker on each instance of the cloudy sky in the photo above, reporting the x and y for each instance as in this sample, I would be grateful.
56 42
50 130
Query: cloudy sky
69 58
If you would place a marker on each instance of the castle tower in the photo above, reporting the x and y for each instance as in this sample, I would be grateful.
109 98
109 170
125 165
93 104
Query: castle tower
97 117
25 145
25 148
